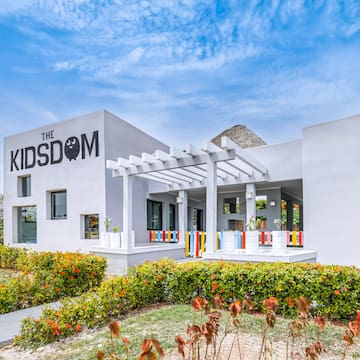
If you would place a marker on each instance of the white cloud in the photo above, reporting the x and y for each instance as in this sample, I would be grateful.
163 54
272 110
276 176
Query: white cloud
64 66
13 6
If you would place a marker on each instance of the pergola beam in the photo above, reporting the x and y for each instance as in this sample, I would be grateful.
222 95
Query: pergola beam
151 164
189 168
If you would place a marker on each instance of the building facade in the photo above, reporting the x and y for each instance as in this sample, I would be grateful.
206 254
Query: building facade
58 190
63 180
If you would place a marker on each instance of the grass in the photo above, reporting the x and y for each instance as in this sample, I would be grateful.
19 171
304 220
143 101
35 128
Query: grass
165 323
6 275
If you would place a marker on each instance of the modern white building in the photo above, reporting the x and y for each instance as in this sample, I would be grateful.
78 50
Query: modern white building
63 180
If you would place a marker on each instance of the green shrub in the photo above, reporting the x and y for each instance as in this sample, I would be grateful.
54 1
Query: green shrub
9 256
334 290
47 276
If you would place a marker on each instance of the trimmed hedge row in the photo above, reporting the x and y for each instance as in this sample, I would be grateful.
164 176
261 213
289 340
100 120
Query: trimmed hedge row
334 290
47 276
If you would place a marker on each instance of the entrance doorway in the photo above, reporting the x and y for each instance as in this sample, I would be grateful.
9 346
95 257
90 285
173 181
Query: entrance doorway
198 217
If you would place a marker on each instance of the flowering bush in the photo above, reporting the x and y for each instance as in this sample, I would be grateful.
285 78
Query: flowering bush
47 276
334 290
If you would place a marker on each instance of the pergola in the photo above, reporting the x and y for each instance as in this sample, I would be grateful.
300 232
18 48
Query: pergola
209 167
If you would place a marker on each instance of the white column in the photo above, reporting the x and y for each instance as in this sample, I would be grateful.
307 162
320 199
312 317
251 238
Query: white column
250 197
127 211
183 215
211 207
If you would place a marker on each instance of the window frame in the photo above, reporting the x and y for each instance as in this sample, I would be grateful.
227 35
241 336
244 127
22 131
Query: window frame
236 203
24 185
172 213
23 220
53 205
149 203
85 230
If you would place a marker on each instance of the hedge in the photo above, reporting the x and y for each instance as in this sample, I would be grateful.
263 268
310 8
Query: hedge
334 291
47 276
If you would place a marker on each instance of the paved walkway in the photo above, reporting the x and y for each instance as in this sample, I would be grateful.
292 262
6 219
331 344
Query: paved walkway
10 323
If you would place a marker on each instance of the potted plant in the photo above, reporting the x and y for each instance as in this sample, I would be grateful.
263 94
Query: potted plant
252 236
115 238
278 238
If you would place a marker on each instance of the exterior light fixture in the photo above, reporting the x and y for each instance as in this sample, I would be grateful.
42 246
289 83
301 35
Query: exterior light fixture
272 203
249 195
179 199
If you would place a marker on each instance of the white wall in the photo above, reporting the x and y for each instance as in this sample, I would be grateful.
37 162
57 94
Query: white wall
331 167
284 161
83 179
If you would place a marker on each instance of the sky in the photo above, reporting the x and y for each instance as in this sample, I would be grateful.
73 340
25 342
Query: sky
183 70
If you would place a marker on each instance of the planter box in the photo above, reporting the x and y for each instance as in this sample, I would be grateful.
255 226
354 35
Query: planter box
110 240
115 242
228 243
105 239
252 242
279 242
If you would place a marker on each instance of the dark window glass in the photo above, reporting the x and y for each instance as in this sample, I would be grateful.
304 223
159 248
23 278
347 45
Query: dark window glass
232 205
172 217
27 221
26 186
58 205
154 215
91 226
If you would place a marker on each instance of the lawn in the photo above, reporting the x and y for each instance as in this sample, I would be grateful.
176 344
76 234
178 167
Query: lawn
165 322
6 275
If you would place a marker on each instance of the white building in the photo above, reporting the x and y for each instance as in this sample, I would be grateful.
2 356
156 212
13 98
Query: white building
58 191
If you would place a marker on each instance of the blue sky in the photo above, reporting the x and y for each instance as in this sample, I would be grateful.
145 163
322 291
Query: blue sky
180 70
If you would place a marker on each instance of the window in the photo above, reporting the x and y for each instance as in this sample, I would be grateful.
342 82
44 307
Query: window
232 205
27 221
24 186
172 208
154 215
58 205
234 224
261 202
91 226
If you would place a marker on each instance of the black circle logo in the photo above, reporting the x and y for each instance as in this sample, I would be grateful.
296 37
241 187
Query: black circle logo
72 148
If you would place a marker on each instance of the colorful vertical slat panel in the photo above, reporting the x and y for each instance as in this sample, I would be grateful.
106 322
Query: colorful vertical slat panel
238 238
268 238
187 244
197 244
202 242
191 243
